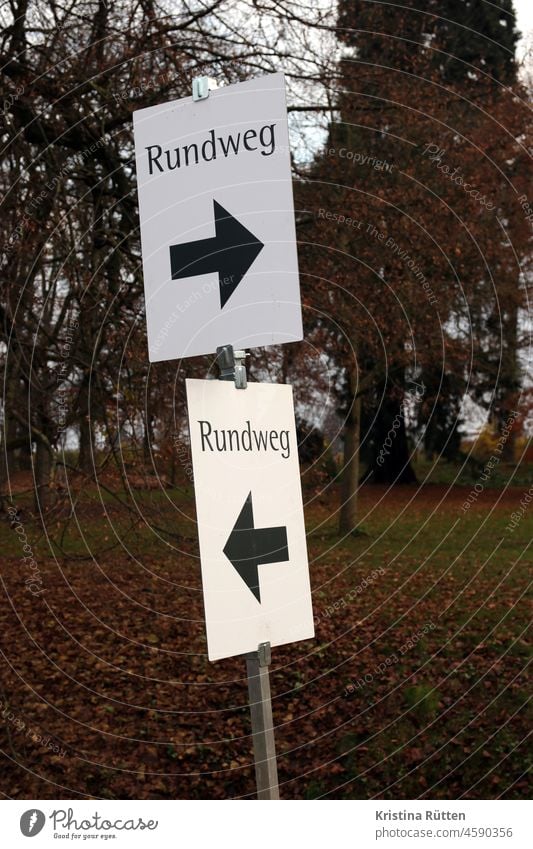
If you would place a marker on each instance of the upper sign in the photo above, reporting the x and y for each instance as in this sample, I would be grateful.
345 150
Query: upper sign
217 221
250 516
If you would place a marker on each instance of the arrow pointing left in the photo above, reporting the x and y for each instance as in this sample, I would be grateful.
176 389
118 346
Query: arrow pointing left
230 253
248 547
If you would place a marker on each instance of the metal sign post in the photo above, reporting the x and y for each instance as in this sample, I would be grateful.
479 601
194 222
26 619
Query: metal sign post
231 367
266 768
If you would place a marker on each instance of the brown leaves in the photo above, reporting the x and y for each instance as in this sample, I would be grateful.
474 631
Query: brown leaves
125 687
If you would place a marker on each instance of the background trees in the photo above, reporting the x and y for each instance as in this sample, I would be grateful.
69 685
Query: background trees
73 356
423 239
414 244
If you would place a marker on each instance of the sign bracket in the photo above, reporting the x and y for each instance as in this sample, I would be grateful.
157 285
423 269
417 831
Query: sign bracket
201 86
231 365
266 769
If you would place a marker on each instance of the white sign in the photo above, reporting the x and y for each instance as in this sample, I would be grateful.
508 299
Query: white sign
249 507
217 221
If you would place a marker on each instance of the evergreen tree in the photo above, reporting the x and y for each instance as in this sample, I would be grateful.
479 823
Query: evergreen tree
425 155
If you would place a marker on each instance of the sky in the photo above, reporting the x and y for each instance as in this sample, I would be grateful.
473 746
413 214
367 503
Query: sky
524 17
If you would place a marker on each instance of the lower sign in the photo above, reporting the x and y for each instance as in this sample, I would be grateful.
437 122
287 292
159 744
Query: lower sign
250 516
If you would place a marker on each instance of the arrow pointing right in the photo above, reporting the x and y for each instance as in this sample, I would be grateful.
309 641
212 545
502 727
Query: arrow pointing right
248 547
230 253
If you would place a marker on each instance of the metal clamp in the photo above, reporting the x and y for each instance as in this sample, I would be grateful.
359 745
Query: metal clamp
232 365
240 369
201 86
264 654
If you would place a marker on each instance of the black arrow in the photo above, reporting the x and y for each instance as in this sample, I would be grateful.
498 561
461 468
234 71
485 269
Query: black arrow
231 253
248 547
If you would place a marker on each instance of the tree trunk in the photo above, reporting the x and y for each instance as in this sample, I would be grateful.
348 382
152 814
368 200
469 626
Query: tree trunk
508 389
390 462
350 475
7 454
86 456
86 448
173 467
44 496
148 438
10 431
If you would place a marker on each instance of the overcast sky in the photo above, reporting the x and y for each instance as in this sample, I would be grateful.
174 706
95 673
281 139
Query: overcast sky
524 16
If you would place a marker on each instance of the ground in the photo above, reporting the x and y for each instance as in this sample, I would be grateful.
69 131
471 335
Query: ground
415 685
